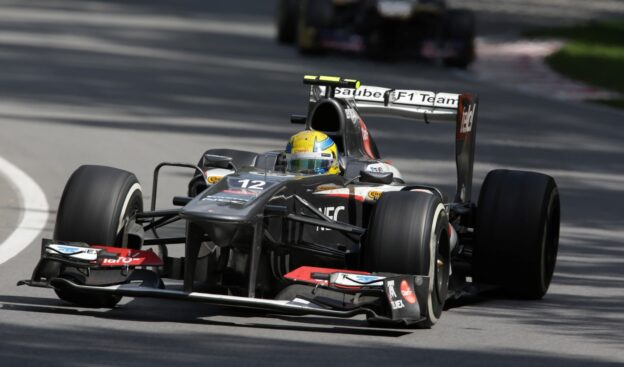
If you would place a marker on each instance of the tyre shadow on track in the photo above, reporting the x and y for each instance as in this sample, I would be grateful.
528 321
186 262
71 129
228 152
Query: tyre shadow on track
585 299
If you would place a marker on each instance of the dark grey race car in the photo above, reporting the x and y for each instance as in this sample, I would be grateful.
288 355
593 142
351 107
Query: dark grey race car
382 29
361 242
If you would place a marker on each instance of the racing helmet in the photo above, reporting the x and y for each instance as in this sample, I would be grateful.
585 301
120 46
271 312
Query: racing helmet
311 151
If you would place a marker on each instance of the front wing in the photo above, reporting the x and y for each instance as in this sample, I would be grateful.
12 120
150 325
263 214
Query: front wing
393 298
402 309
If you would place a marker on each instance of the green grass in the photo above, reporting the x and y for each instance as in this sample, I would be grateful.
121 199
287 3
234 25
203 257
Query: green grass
593 53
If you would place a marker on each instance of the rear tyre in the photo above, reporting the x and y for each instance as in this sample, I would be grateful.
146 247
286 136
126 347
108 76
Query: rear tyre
95 205
517 232
315 15
460 29
408 235
286 19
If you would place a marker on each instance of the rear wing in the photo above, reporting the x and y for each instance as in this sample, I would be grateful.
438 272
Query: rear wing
410 104
416 105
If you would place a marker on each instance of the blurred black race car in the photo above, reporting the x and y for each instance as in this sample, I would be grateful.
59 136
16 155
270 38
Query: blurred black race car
262 232
383 29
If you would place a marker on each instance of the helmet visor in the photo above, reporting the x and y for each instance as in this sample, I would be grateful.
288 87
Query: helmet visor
304 163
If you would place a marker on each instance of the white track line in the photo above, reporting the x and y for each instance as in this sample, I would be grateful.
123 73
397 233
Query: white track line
35 215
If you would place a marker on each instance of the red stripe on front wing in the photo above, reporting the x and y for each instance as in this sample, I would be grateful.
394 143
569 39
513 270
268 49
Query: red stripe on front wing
304 274
129 257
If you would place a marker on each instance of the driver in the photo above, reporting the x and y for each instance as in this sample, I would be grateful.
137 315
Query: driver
312 152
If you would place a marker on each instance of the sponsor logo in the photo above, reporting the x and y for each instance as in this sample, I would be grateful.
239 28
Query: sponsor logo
214 179
122 260
391 291
376 168
423 98
131 259
363 278
361 93
407 293
395 304
234 196
326 188
374 195
331 212
241 192
467 118
73 249
398 304
352 115
81 253
356 280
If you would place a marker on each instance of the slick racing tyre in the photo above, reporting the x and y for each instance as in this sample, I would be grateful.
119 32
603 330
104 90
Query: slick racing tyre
315 15
95 205
460 31
408 235
517 232
287 16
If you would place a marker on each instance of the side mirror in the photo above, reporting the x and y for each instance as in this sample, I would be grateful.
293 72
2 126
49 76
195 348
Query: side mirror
376 177
217 161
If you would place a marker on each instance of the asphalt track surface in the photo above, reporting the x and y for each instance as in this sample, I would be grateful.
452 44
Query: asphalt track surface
131 84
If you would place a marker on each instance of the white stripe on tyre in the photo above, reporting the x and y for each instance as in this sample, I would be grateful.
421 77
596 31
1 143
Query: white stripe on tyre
132 190
432 263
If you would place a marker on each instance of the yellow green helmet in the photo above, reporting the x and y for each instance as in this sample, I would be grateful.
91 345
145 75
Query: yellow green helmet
313 152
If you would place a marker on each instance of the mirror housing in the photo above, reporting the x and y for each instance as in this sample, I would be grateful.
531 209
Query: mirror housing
376 177
217 161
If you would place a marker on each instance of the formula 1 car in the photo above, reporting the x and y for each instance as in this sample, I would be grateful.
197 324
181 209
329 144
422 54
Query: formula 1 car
380 28
360 242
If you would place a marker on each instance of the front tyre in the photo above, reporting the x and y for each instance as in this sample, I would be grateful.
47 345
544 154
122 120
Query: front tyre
95 206
517 232
408 235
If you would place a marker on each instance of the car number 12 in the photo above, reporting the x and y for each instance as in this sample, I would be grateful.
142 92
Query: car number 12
252 184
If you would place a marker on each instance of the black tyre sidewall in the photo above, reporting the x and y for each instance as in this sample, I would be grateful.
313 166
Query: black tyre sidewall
516 213
91 207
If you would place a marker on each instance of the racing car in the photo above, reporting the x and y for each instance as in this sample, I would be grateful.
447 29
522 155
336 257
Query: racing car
361 241
383 29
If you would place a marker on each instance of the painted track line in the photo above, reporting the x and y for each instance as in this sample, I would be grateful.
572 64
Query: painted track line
35 211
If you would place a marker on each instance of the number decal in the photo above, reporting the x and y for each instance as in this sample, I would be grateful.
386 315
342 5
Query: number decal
252 184
257 185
